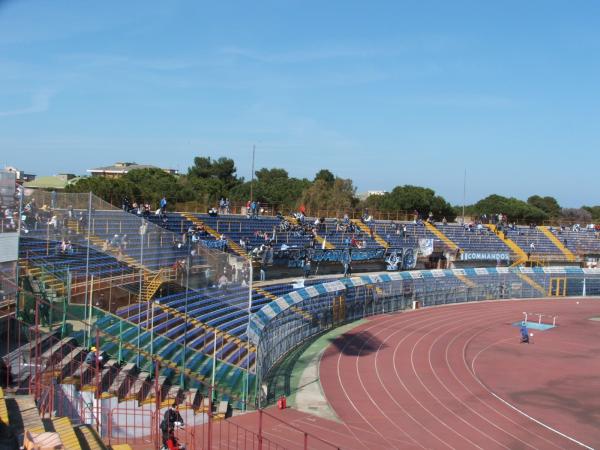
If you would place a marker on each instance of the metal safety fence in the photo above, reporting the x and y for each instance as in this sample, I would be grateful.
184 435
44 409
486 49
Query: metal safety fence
294 318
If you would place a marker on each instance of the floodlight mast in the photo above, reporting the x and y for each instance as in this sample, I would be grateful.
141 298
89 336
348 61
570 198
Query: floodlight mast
252 175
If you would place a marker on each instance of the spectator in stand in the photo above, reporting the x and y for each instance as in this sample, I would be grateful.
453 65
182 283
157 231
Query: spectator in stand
53 222
306 267
263 274
223 281
126 205
171 419
94 357
163 205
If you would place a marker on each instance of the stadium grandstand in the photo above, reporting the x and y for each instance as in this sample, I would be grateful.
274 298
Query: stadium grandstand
110 316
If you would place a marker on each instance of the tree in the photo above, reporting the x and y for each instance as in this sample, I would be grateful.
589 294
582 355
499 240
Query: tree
273 187
576 215
594 211
212 179
413 198
515 209
140 185
547 204
339 196
222 169
326 176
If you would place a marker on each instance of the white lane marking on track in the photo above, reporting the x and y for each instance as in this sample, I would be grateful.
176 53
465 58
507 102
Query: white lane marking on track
427 318
435 319
461 402
379 324
341 384
407 316
362 385
479 399
523 413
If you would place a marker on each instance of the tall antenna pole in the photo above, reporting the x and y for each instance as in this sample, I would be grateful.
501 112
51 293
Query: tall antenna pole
464 196
252 180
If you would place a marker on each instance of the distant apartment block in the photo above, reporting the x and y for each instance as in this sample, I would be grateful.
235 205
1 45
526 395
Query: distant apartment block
120 169
21 175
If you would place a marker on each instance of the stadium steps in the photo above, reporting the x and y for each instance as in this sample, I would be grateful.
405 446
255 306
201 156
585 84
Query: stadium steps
230 244
452 246
120 386
49 281
531 282
322 241
139 388
152 280
24 414
98 243
465 280
520 255
365 229
66 432
207 328
203 377
270 296
552 237
445 239
89 439
3 409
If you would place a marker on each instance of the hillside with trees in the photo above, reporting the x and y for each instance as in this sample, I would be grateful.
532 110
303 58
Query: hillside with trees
207 180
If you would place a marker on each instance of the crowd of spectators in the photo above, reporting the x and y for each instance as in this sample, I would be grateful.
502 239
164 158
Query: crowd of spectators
9 210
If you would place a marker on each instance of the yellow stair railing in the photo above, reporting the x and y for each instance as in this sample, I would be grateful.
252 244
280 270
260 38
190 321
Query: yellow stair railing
99 243
465 280
552 237
153 281
270 296
319 239
445 239
534 284
365 229
231 244
520 255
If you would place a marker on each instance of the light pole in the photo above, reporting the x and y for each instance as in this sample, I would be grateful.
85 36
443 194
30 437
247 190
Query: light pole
142 233
464 196
252 175
247 377
185 315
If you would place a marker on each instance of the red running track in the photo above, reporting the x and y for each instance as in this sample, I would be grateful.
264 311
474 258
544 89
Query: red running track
457 377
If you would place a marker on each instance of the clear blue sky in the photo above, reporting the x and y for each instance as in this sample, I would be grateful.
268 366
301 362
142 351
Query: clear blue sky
385 93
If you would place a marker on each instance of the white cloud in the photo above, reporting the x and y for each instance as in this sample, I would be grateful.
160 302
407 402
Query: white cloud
39 102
